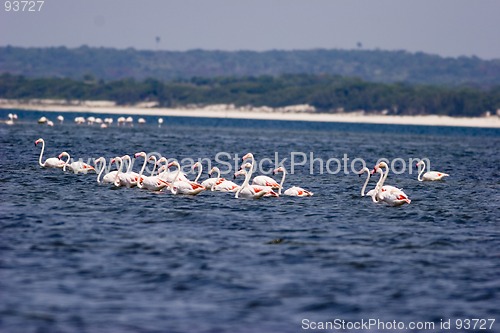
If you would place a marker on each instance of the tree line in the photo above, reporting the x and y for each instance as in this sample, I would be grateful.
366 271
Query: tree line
370 65
327 93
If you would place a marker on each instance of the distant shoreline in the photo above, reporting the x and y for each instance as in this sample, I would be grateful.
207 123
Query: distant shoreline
427 120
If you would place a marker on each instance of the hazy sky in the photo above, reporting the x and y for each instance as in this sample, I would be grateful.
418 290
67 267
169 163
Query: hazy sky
444 27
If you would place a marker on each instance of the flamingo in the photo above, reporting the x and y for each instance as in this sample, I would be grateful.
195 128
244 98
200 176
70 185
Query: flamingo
152 183
111 177
258 187
219 184
76 167
198 166
11 119
168 175
210 182
391 195
429 175
60 118
183 187
372 192
292 191
51 162
260 180
129 178
247 191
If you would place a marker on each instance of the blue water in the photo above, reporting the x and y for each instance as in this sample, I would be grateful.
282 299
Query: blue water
79 257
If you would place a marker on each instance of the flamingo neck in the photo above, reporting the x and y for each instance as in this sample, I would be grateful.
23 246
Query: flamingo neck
216 169
154 166
139 182
120 167
366 181
41 154
66 163
282 181
421 172
248 175
199 173
129 168
103 162
173 189
380 183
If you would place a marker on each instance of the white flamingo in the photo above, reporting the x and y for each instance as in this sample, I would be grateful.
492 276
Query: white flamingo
292 191
152 183
183 187
51 162
76 167
259 187
247 191
371 193
11 119
111 177
219 184
168 175
209 183
429 175
198 166
129 178
392 196
260 180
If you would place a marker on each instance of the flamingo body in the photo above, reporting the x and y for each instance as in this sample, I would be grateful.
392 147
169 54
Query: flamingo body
430 175
51 162
295 191
265 181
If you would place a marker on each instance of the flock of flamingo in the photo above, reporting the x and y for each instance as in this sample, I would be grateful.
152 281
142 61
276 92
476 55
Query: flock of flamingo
177 182
91 120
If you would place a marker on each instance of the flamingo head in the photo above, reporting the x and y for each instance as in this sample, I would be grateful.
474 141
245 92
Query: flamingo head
280 169
247 156
38 141
196 165
62 154
162 160
173 163
378 166
143 154
419 163
362 171
100 159
246 166
239 172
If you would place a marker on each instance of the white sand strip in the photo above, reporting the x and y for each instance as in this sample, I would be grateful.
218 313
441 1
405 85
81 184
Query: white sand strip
487 122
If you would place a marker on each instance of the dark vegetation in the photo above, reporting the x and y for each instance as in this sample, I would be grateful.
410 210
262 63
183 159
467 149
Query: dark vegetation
369 65
328 93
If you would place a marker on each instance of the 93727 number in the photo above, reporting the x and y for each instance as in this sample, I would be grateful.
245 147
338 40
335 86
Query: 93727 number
23 6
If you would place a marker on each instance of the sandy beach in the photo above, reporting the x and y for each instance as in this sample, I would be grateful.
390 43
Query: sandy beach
208 112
